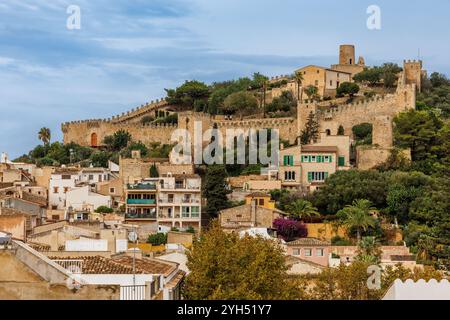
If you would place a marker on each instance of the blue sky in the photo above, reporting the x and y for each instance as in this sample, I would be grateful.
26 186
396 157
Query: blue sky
128 51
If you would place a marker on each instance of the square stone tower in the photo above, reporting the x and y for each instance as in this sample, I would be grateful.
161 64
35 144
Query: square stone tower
413 72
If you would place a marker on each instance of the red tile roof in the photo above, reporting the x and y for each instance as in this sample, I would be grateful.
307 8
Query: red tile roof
121 265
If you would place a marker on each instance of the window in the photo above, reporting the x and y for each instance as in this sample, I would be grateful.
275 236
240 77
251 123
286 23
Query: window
66 189
112 190
195 212
261 202
185 212
341 161
319 252
289 175
55 190
55 217
317 176
65 176
331 82
296 252
91 177
308 253
288 160
318 71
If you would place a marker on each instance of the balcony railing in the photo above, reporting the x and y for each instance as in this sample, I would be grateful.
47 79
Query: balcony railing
179 186
72 265
141 201
142 186
140 215
177 216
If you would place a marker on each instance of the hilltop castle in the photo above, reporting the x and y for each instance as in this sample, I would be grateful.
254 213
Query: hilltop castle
378 110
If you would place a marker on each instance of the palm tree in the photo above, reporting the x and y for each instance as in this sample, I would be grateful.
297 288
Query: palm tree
299 79
44 135
311 91
357 215
301 209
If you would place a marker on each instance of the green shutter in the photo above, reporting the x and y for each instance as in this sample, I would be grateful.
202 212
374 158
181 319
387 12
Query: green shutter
341 162
309 158
309 176
291 160
326 175
285 159
331 159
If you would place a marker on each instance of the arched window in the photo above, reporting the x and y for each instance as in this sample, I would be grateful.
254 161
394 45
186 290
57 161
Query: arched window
328 131
94 140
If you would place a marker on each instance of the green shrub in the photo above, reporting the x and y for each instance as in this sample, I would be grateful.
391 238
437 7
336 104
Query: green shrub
339 241
157 239
104 209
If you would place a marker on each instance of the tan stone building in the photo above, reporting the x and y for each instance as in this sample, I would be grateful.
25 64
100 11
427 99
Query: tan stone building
248 216
308 166
324 79
347 62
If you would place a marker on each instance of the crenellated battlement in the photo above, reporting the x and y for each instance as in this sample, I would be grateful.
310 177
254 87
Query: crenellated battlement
124 116
266 122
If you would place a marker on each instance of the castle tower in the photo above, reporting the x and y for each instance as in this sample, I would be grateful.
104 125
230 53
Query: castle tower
347 54
361 61
413 72
382 131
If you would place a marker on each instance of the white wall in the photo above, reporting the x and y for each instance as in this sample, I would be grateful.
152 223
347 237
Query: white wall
82 198
58 199
115 279
87 245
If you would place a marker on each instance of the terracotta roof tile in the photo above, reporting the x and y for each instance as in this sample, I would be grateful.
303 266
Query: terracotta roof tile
308 242
312 148
121 265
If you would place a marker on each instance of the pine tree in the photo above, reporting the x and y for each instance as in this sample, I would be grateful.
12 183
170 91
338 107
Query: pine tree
154 171
215 189
311 131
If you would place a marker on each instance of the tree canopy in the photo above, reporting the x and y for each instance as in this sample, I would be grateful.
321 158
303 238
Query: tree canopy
226 267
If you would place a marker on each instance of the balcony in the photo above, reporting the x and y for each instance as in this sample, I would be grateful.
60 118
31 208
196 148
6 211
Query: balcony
141 201
140 215
141 186
179 186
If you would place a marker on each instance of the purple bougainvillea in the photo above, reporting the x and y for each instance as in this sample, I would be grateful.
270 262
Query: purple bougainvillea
290 229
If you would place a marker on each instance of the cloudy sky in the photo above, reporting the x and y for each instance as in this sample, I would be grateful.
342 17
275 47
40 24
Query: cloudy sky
128 51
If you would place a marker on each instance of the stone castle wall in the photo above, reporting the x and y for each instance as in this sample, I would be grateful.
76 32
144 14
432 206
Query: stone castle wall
379 110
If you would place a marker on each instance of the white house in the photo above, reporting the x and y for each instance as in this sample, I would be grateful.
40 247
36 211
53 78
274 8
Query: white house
420 290
61 181
64 180
83 198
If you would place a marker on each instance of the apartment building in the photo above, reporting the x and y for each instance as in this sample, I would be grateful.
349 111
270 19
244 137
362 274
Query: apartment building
140 199
179 201
172 200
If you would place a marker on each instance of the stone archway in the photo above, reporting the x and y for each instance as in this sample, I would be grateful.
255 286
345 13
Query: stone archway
94 142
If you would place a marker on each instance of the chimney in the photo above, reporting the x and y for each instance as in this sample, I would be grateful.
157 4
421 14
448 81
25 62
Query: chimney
253 213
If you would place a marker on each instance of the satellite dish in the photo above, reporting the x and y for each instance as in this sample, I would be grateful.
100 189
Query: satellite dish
132 236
